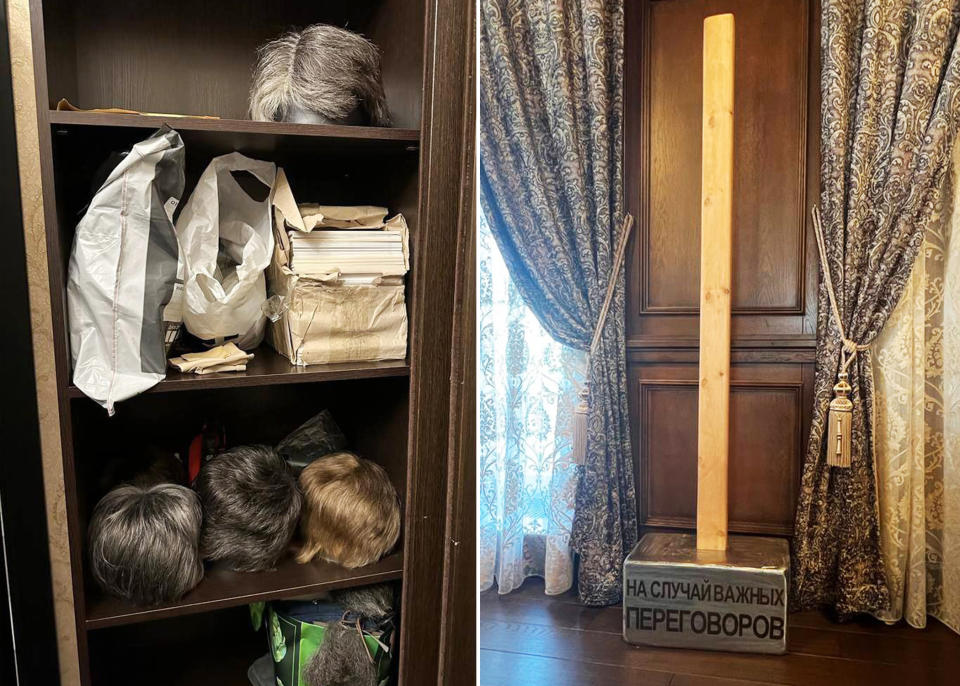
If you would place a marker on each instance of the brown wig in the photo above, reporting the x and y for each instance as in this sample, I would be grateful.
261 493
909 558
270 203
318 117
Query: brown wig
351 513
250 508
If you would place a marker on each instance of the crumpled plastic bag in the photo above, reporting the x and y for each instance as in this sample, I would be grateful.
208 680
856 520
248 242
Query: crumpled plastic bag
226 241
123 271
316 437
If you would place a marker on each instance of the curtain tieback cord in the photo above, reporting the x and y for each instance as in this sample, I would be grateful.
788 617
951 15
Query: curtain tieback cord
839 424
579 452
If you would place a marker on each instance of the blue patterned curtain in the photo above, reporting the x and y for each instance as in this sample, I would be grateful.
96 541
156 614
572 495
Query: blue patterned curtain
527 384
551 177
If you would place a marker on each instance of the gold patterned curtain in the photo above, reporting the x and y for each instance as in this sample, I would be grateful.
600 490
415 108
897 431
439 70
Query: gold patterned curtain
890 93
917 371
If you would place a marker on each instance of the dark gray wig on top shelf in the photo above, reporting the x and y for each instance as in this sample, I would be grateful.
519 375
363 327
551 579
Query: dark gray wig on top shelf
321 75
144 543
251 505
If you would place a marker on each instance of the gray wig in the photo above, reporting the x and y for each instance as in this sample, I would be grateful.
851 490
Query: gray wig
342 659
144 543
251 505
321 75
370 602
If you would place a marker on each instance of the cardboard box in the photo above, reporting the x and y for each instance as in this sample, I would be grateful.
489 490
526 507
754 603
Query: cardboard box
333 317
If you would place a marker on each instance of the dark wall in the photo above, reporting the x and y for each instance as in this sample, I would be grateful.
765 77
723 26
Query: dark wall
25 591
774 291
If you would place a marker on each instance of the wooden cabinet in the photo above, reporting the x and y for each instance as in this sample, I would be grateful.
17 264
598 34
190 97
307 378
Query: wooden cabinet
776 161
195 57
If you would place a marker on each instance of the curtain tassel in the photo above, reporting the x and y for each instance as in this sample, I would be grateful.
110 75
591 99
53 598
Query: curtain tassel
840 421
839 427
580 414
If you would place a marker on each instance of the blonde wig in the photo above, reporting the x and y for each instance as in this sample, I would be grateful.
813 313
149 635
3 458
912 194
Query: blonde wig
351 513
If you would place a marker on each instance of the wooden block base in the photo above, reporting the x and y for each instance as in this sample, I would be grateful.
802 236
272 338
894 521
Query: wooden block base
676 596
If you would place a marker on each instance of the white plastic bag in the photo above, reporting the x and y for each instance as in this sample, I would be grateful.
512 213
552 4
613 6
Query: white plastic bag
226 241
123 269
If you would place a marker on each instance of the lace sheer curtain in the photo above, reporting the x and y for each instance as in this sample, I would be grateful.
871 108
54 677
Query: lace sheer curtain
917 369
527 388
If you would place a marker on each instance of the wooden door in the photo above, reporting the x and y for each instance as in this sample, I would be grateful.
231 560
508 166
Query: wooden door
776 139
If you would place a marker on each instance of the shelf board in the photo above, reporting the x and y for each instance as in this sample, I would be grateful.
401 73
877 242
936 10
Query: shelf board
269 368
223 588
244 126
206 138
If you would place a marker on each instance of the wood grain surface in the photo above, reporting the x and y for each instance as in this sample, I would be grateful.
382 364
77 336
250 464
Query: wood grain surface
716 245
530 639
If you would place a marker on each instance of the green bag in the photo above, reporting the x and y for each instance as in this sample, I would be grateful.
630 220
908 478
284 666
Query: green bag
293 640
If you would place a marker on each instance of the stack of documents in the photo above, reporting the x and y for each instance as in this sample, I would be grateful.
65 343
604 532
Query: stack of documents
347 252
336 281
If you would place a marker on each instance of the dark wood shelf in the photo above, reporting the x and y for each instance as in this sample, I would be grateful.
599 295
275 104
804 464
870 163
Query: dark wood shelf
206 138
150 121
223 588
269 368
124 650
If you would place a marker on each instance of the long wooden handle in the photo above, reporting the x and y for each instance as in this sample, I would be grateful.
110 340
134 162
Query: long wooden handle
716 229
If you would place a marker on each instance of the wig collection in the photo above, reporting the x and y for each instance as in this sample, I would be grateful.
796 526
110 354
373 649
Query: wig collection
160 518
149 536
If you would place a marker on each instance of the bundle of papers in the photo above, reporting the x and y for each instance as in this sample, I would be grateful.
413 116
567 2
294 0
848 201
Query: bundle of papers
342 216
337 281
224 358
347 252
